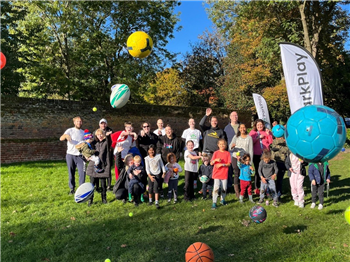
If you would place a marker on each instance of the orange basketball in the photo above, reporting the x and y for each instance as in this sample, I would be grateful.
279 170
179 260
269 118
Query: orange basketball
199 252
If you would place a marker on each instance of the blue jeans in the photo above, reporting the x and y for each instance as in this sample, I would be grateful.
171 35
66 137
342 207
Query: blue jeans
270 184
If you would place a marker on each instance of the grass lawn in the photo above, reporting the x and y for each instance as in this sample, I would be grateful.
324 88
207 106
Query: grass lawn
41 222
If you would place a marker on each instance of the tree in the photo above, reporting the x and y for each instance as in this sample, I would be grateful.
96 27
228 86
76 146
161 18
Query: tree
10 42
168 88
79 49
202 68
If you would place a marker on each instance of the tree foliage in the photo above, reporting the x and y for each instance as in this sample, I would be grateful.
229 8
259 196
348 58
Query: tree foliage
168 88
78 49
254 29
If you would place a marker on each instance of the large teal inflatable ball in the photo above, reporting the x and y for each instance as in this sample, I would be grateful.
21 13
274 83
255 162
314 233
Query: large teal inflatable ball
315 133
278 131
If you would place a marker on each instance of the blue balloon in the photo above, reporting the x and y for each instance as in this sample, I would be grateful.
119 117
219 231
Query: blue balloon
315 133
278 131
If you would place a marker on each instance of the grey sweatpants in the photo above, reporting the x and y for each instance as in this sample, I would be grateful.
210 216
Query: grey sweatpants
74 162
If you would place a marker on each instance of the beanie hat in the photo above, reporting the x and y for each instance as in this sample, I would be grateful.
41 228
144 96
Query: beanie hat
87 134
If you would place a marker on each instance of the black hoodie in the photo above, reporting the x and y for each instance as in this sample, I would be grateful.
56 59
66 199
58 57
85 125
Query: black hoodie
211 135
166 145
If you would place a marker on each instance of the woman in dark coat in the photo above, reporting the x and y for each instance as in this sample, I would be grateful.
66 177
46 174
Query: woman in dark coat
120 188
102 146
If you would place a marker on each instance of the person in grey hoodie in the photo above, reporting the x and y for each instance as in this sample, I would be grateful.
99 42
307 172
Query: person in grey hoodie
212 133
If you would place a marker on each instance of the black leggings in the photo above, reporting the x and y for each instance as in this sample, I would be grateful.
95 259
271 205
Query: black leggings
122 193
189 190
256 161
235 171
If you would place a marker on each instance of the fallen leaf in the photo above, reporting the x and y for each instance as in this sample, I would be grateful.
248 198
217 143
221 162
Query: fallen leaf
108 248
10 241
245 222
200 227
284 226
72 218
14 211
123 245
231 255
12 234
45 259
345 245
68 226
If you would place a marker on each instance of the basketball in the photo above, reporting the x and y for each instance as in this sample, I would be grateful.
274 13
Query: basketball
258 214
139 44
120 95
176 170
199 252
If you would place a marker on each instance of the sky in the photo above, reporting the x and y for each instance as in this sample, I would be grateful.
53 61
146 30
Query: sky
194 21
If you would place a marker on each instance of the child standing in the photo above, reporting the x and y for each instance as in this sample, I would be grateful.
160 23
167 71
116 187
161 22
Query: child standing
126 139
206 169
319 174
85 148
268 171
175 168
296 173
221 161
245 176
154 169
191 169
135 173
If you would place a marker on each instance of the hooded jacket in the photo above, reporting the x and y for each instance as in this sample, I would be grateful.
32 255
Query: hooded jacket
167 145
211 135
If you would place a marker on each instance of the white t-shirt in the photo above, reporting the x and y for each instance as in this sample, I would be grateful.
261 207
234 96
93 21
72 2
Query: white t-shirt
192 134
156 131
77 136
191 164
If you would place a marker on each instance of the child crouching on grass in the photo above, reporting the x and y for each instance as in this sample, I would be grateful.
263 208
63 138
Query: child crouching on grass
268 171
319 174
221 161
245 176
175 169
206 169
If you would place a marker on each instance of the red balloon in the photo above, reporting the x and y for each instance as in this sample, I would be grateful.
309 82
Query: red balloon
2 60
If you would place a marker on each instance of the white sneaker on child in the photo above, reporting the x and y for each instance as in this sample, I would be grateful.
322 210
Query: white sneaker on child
313 205
296 203
320 206
301 205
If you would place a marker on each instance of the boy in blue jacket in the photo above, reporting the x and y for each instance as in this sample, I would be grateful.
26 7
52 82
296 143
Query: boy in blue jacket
319 174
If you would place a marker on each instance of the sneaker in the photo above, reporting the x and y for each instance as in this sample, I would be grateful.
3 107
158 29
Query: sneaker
136 204
130 199
301 205
175 201
296 203
104 201
71 192
223 202
124 201
213 207
320 206
240 199
313 205
169 200
157 206
261 201
275 203
267 202
150 203
204 198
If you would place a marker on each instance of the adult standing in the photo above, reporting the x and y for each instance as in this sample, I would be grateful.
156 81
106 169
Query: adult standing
231 130
102 146
120 188
262 139
107 131
192 134
243 143
160 131
74 160
212 133
146 138
168 144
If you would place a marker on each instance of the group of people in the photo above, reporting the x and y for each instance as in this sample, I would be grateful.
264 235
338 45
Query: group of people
229 157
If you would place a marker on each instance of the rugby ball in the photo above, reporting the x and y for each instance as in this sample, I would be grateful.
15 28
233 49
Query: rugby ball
120 95
204 179
84 192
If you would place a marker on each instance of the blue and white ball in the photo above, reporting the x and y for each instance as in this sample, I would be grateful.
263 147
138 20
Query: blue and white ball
315 133
84 192
278 131
120 95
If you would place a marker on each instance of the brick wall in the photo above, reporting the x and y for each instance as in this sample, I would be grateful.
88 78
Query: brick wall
30 128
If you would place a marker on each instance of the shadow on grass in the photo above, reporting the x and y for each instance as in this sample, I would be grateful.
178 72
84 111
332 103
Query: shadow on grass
294 229
209 229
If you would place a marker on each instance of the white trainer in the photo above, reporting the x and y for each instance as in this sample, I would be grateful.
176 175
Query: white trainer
296 203
313 205
301 205
320 206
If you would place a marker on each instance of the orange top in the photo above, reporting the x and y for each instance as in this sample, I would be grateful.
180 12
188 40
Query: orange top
221 172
